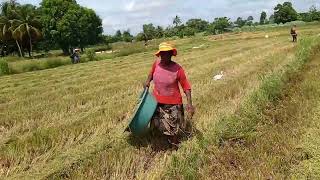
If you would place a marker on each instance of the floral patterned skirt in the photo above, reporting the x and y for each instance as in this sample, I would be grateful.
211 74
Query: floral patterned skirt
169 119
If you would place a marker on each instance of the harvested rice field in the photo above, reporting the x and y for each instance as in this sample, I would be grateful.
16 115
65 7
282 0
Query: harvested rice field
258 122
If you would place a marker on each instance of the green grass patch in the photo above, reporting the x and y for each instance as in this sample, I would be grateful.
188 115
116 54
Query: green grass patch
4 67
244 122
35 65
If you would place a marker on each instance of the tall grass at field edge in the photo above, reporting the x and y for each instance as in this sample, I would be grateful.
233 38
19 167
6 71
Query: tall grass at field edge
4 67
17 67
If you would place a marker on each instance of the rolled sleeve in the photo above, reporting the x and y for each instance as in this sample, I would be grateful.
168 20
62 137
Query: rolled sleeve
156 62
185 84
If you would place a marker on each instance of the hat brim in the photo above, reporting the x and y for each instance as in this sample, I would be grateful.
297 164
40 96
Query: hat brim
175 52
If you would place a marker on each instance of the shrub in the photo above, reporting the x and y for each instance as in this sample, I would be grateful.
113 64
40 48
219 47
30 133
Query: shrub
298 23
106 47
31 66
236 30
52 63
91 55
4 67
11 58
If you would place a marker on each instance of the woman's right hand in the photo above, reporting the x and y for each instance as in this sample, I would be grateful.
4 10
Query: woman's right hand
148 81
190 110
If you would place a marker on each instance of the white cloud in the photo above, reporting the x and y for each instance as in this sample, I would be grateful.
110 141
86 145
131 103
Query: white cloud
130 6
146 5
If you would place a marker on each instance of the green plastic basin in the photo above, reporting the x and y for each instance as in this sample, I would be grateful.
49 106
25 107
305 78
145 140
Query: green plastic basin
143 114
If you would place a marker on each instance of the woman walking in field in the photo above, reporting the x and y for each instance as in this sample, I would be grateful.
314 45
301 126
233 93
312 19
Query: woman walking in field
167 75
294 33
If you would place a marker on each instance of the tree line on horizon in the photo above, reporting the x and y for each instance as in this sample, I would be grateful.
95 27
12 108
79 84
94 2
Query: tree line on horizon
54 24
283 13
64 24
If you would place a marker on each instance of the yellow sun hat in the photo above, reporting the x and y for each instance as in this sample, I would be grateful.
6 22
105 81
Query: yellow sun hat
165 46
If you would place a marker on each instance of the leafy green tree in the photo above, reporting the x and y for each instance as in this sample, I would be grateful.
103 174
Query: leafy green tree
263 17
240 22
140 37
53 11
118 35
180 31
211 29
159 32
249 21
304 17
68 24
285 13
126 36
68 29
314 14
171 31
250 18
198 25
91 28
271 19
177 21
108 39
149 32
80 27
221 24
189 31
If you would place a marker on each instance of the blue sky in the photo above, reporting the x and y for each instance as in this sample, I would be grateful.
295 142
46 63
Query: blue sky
131 14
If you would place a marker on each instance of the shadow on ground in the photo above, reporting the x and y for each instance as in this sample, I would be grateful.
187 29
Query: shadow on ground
159 142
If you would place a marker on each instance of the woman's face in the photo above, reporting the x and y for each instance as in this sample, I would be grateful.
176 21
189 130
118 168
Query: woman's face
166 55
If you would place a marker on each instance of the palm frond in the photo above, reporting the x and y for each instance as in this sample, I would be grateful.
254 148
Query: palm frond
19 32
15 22
35 33
35 23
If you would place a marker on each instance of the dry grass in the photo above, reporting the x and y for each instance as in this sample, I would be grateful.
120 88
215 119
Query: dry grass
68 122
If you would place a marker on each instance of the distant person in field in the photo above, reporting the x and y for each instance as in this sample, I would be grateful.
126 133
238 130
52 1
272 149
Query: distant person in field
294 33
166 76
75 57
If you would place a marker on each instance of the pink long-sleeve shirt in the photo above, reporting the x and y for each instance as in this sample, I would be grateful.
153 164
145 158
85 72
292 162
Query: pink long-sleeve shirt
167 80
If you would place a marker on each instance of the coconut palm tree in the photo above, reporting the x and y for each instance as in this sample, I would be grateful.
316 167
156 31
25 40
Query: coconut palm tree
6 32
6 7
7 14
177 21
26 26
